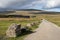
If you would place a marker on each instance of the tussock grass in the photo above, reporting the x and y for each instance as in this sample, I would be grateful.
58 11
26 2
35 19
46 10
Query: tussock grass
6 22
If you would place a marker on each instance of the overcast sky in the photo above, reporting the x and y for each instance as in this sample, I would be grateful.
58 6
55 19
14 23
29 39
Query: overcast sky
50 5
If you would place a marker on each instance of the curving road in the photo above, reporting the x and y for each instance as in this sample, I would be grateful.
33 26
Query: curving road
46 31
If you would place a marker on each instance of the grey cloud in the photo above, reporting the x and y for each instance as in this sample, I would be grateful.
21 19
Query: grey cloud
20 4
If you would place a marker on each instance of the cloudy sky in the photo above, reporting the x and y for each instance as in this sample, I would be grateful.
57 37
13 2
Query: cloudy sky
49 5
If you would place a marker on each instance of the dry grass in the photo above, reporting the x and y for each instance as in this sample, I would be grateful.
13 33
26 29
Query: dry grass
5 22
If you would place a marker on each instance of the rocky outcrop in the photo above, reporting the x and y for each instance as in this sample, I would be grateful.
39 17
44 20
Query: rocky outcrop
13 30
32 24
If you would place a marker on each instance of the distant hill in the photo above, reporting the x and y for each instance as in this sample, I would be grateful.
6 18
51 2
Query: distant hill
7 10
27 10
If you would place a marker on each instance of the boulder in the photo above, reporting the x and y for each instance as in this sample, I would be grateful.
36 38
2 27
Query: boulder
33 23
13 30
23 29
29 25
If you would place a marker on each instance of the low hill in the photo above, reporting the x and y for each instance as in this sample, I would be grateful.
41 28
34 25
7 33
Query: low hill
26 12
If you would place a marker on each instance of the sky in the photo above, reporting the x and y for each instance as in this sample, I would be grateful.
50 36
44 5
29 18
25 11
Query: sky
49 5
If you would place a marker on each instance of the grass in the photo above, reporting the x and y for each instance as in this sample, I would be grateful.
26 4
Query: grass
6 22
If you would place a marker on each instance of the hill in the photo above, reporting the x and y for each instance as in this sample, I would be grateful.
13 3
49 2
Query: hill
26 12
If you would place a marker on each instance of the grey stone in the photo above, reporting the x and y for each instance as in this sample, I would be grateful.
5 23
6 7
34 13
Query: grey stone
29 25
13 30
33 23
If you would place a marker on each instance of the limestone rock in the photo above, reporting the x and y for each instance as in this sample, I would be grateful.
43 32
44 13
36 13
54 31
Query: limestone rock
13 30
29 25
33 23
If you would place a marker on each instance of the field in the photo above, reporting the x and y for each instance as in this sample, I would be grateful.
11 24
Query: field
6 22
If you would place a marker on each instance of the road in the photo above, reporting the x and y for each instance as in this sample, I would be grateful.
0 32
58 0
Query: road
46 31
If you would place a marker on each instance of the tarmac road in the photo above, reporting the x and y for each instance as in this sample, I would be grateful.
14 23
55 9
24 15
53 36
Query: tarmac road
46 31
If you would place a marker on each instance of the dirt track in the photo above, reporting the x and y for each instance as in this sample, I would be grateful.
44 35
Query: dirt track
46 31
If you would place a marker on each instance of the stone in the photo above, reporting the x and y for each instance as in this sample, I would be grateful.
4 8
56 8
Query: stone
33 23
29 25
13 30
23 29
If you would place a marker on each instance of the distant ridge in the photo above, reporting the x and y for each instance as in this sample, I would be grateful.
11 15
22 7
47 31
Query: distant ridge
28 10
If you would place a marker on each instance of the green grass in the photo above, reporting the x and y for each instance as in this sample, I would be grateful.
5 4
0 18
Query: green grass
4 24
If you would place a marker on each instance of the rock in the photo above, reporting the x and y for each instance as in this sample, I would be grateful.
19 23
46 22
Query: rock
13 30
23 29
33 23
29 25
